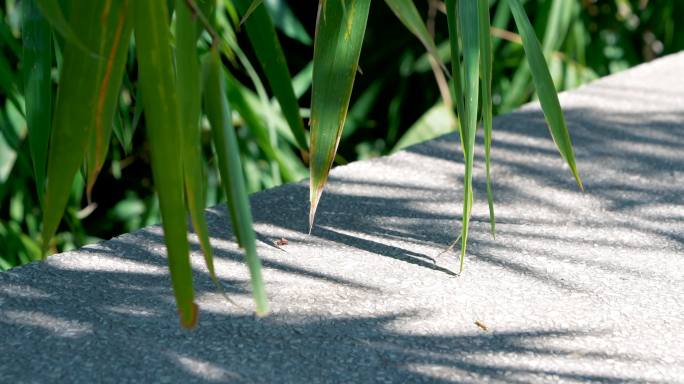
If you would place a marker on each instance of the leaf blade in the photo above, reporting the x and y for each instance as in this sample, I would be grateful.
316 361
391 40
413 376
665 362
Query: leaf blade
37 59
160 102
340 28
548 98
262 35
52 11
232 177
189 98
407 13
74 116
468 19
452 22
239 98
110 78
486 85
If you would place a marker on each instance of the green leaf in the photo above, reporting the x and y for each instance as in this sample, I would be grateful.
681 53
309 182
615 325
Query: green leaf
8 83
302 81
9 156
502 16
37 63
436 121
6 35
545 88
557 25
110 78
454 35
231 50
468 20
286 21
486 85
189 98
247 105
52 11
232 177
75 115
560 14
267 47
248 12
340 28
407 13
160 102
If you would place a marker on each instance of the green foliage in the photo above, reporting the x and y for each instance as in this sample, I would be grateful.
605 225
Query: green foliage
163 123
266 45
85 106
339 35
37 60
228 156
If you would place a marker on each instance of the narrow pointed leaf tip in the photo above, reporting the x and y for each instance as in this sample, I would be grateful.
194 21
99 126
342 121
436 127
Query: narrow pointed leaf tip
189 320
486 87
340 29
189 97
230 170
468 21
111 75
548 98
85 81
162 118
37 59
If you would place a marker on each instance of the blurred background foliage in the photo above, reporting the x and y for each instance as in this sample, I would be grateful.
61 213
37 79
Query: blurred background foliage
396 102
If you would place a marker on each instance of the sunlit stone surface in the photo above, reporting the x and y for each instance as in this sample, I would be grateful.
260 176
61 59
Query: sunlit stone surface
576 287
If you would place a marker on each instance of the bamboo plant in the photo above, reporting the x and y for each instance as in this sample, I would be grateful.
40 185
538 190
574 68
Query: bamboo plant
183 75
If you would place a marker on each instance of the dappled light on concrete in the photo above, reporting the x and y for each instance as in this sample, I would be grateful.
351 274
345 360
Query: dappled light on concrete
576 287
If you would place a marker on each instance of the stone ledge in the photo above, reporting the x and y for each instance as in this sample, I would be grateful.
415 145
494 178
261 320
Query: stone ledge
576 287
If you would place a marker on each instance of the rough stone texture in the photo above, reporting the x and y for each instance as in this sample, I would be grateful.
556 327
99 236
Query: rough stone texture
577 287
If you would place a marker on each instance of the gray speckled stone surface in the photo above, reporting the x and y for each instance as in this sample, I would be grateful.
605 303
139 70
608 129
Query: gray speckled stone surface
577 287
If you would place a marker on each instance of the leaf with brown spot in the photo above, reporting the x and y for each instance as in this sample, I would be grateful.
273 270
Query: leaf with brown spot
76 106
114 49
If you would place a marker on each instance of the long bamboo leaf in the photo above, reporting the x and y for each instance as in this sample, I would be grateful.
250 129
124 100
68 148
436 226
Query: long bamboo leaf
557 28
468 20
189 97
232 177
77 99
264 39
239 97
454 35
486 85
52 11
340 28
37 63
502 15
114 49
407 13
545 88
159 97
247 104
232 50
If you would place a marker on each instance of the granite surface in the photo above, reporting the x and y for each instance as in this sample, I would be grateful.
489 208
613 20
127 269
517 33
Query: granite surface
576 287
